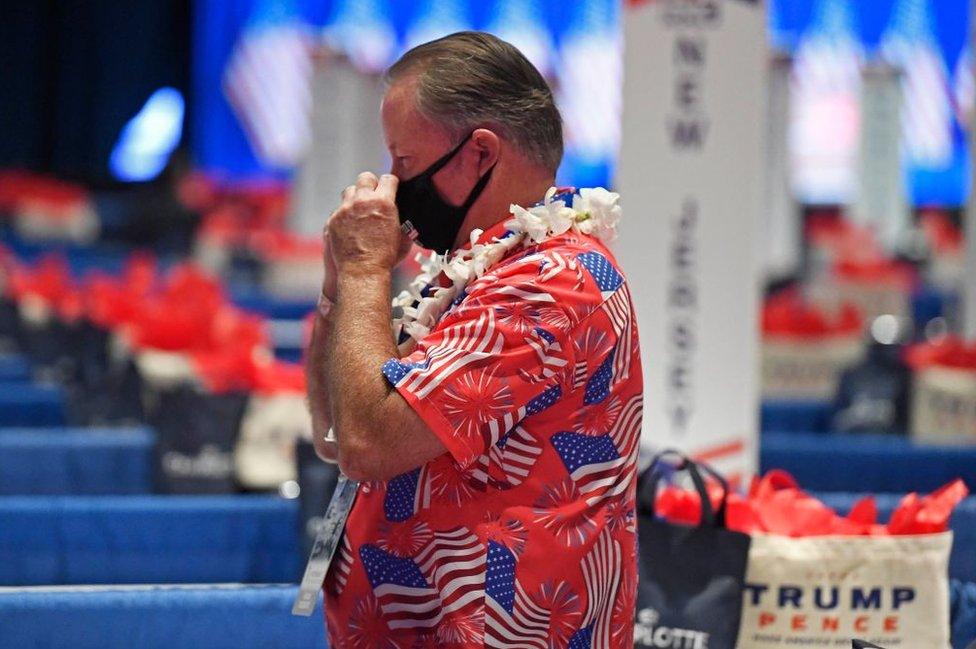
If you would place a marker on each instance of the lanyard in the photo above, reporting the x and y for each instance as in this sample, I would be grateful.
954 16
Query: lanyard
325 545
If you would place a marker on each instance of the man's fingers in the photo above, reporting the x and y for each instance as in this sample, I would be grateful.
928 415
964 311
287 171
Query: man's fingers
366 181
387 187
348 193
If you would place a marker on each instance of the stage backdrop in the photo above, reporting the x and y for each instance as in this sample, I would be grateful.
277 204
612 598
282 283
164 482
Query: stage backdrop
690 178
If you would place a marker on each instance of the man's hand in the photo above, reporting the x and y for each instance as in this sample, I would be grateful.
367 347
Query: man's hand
364 233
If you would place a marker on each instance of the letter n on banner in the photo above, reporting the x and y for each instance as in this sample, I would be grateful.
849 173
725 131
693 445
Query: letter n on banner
690 174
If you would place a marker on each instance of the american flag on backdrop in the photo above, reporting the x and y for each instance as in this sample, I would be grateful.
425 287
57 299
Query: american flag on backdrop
267 82
512 619
520 22
591 54
964 88
437 18
909 43
825 88
362 29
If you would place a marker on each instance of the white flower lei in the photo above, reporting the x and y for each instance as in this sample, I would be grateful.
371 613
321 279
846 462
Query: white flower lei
594 212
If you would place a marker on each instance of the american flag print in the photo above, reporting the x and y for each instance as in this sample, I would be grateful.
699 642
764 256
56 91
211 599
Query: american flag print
511 537
603 466
601 571
341 566
549 351
512 619
617 307
406 494
462 345
455 563
405 597
514 454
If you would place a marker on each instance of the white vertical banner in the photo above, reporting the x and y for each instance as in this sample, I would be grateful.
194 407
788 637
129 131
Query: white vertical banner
781 224
691 178
881 200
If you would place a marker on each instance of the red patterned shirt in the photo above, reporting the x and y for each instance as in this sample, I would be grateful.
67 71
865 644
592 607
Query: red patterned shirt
523 533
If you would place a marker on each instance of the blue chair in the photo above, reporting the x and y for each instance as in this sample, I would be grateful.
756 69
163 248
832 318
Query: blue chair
148 539
158 617
795 416
962 612
76 461
28 404
866 463
271 306
13 368
962 562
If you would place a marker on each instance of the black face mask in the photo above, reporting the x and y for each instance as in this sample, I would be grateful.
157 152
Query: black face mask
422 210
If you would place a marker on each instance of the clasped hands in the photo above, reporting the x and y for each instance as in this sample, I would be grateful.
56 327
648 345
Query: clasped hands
363 235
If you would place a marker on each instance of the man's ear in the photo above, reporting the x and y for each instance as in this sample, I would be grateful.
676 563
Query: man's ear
487 145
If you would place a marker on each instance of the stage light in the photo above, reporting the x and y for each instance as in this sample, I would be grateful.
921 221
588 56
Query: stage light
148 139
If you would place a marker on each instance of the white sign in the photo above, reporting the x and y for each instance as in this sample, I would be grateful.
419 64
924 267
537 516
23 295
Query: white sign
881 200
691 174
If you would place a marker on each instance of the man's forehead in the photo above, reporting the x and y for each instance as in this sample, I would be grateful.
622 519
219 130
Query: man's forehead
402 121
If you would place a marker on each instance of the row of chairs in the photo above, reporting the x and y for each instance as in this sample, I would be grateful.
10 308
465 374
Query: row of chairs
82 532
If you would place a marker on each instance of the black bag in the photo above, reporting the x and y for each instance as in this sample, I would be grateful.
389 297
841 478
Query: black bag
863 644
691 577
196 434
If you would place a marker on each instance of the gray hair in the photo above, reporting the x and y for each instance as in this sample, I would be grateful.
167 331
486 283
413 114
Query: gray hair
469 80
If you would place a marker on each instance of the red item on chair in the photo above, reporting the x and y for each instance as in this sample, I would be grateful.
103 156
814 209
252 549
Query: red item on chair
786 314
950 351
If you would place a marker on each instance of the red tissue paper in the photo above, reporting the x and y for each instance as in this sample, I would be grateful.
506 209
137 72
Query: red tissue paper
950 351
786 314
775 504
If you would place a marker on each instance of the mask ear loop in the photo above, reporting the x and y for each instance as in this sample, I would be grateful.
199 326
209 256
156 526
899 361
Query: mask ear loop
477 189
444 159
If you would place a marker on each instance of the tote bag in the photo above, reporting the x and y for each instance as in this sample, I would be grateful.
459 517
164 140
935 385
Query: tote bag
892 591
691 577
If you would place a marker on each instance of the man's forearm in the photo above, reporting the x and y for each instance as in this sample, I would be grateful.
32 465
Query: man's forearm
317 370
360 342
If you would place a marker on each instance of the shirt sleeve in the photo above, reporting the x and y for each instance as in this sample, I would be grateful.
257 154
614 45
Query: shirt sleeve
502 354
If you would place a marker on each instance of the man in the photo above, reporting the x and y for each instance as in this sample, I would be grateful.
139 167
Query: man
496 458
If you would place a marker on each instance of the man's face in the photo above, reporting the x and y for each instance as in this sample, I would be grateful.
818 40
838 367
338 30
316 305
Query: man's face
415 142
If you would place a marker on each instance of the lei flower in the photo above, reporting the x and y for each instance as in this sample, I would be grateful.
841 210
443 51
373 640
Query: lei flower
594 211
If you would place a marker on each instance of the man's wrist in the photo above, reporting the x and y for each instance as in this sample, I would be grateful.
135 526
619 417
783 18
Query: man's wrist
363 269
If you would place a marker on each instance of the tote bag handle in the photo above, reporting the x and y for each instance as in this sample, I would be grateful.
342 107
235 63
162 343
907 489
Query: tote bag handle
659 469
